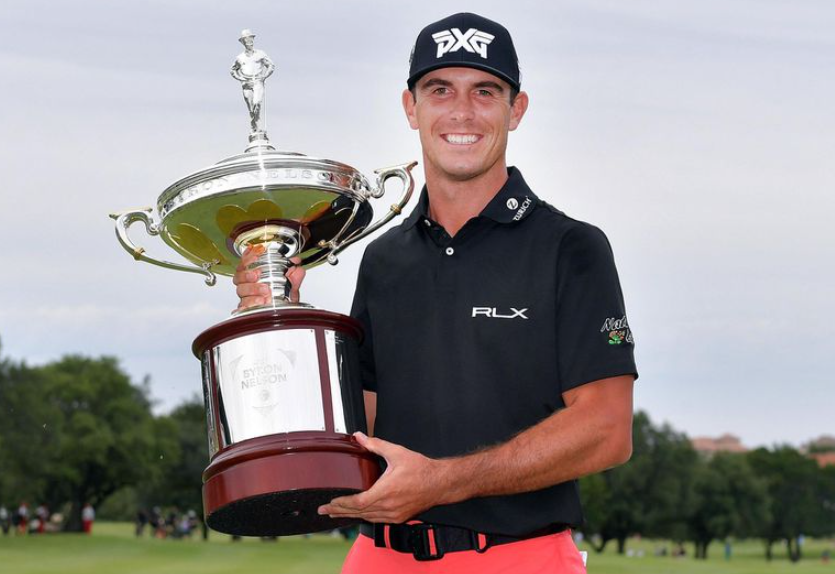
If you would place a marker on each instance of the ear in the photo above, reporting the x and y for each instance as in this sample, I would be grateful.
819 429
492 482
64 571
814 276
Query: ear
518 109
409 108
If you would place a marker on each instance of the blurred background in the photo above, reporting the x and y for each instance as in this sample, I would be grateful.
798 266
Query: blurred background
697 135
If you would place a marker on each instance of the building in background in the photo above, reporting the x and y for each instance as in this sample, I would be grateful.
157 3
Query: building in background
822 449
725 443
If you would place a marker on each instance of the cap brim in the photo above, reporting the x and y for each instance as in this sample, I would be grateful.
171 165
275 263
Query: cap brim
489 69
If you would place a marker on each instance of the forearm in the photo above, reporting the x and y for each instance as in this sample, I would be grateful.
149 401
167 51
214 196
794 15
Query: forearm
583 438
593 432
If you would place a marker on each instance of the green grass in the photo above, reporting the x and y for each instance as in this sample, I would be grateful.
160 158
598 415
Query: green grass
113 549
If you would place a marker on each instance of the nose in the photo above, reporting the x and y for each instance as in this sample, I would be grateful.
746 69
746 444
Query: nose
462 108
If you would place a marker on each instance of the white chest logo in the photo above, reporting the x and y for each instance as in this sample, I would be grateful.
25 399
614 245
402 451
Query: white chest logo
494 314
473 41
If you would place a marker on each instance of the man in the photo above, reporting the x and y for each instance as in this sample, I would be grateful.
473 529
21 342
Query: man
22 518
88 515
42 513
5 522
251 68
497 358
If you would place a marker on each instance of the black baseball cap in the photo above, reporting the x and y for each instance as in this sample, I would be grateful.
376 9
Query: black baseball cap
468 41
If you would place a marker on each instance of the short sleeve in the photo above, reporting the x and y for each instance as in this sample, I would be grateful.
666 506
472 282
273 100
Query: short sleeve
593 334
359 311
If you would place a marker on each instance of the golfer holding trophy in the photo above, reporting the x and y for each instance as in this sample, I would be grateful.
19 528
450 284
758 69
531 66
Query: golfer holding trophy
280 380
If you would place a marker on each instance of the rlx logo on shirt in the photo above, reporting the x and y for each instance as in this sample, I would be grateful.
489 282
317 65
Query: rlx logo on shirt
494 314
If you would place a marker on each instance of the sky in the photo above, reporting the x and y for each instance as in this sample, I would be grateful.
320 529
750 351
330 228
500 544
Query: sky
698 134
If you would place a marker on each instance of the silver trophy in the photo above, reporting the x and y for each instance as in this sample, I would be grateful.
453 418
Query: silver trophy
280 381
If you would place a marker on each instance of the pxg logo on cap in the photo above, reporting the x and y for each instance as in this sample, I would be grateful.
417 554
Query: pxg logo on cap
474 41
462 40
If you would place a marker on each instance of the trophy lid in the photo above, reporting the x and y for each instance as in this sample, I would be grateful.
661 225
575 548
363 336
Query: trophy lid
203 213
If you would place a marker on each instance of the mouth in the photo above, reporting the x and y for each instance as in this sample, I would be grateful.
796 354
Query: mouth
461 139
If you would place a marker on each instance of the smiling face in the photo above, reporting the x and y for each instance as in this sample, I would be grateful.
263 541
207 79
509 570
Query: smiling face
463 116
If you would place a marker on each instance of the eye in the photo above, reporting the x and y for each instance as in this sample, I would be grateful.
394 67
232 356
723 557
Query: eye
441 90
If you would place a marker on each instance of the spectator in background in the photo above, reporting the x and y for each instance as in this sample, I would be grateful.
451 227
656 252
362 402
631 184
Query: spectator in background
88 515
183 526
22 518
171 523
157 523
192 521
141 521
5 520
42 513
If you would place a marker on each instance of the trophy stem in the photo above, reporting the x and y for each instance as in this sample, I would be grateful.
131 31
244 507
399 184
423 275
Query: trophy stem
273 266
280 243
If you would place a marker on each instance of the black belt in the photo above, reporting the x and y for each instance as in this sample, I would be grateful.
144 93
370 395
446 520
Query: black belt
432 541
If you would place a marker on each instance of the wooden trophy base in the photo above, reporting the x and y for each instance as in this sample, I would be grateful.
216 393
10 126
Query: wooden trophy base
273 486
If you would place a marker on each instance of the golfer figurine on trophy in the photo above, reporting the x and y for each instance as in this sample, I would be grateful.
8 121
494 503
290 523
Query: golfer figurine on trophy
252 67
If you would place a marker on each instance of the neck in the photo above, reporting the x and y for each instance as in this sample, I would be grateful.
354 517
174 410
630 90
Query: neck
454 202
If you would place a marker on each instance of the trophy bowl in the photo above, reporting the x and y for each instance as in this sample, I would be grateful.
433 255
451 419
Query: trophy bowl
280 381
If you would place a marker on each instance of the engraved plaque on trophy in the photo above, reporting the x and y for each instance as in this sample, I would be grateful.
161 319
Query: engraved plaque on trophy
281 381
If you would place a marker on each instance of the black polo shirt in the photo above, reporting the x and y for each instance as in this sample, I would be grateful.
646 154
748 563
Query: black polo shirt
474 338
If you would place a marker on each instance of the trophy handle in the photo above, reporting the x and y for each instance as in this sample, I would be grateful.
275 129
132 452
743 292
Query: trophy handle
404 173
127 218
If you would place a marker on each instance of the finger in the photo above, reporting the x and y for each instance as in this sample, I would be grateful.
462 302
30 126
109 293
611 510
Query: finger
252 289
295 275
244 276
371 517
377 445
255 301
249 256
353 503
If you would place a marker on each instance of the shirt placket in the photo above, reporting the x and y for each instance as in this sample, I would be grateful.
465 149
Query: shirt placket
449 259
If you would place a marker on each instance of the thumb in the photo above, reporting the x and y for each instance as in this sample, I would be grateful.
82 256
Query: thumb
295 275
377 445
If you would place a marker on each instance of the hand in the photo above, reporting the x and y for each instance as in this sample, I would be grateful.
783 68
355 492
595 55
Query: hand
411 484
250 292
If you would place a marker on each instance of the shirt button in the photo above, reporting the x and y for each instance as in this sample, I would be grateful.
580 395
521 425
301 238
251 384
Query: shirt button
450 251
427 223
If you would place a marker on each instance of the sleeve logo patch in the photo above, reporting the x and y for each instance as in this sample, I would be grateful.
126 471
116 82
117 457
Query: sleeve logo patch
617 330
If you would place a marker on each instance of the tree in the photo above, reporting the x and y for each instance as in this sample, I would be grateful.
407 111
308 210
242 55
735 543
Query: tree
728 500
78 431
825 524
795 510
25 433
647 495
181 484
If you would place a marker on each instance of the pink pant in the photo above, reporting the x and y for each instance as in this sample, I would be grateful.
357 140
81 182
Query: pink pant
552 554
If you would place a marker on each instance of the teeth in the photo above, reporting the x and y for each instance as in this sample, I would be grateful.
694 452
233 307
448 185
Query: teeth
461 138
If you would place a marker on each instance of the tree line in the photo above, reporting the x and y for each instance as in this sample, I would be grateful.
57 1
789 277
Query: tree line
670 491
79 431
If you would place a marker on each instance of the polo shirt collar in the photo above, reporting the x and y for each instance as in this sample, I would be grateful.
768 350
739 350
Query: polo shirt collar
420 212
513 202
